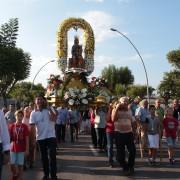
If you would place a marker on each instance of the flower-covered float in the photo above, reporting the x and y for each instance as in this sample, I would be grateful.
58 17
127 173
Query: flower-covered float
73 88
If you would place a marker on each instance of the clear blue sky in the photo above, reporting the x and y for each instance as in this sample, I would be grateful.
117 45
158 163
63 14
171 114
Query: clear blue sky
152 25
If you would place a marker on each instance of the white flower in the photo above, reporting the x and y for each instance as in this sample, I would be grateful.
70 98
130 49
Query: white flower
66 96
84 90
71 102
84 95
71 90
84 101
75 96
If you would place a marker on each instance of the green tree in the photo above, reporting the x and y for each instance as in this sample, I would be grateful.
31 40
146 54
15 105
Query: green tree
120 90
170 85
109 73
138 90
124 76
8 33
174 58
116 76
14 62
21 92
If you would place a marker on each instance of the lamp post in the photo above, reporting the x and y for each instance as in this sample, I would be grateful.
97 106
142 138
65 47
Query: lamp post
147 84
39 72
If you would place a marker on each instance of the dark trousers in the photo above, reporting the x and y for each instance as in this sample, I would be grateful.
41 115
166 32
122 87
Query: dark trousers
60 132
110 140
125 140
93 136
1 159
74 128
48 156
101 138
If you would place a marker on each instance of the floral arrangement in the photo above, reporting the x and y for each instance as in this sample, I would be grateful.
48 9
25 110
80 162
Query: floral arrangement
77 97
55 80
99 87
98 82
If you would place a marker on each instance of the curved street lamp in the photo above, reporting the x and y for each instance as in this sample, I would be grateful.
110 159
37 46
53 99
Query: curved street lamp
39 72
147 84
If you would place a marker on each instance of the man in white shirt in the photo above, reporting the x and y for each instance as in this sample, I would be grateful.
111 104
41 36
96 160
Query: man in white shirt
42 121
4 142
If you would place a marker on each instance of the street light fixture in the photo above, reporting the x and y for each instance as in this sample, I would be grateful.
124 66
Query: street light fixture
39 72
147 84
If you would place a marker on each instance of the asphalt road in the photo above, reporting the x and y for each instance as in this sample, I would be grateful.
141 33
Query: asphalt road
80 161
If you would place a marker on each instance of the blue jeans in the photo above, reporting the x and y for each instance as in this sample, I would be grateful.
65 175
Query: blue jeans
110 138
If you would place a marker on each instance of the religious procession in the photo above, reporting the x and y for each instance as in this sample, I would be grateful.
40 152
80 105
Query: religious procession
118 126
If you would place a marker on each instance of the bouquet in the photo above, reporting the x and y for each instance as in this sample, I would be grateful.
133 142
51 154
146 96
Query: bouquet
55 80
76 97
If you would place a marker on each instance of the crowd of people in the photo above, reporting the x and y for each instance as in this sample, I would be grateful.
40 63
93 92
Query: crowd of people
121 122
21 131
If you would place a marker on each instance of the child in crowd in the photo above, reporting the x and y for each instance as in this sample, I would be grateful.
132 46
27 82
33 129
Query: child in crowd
19 145
153 130
170 125
29 160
